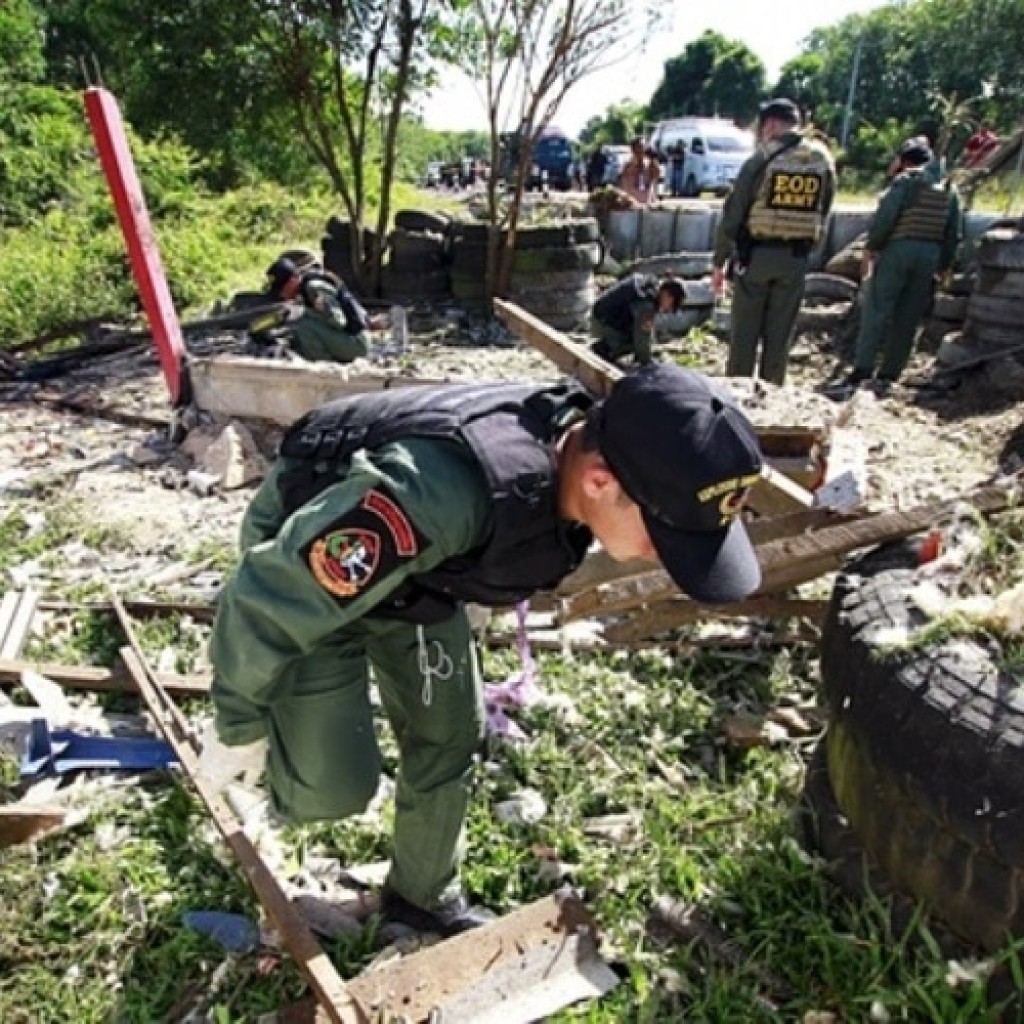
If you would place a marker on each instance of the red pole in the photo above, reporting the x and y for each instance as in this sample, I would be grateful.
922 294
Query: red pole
143 252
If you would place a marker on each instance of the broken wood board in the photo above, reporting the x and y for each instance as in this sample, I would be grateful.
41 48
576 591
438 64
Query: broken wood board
21 823
92 677
791 560
598 377
16 611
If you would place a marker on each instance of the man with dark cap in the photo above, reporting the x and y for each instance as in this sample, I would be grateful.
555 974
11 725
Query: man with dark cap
322 320
623 318
912 239
775 212
384 513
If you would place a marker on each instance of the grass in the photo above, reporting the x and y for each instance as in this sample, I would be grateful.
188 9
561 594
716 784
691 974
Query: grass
91 921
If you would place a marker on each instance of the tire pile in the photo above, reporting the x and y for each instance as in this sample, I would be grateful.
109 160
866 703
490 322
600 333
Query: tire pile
432 258
995 310
552 269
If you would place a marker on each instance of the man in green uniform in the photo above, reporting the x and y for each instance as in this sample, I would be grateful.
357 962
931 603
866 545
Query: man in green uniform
323 321
623 318
912 239
384 514
771 219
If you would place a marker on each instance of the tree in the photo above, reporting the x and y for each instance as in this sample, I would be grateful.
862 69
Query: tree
616 126
528 54
713 75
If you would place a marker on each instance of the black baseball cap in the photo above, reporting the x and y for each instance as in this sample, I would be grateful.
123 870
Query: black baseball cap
687 455
781 109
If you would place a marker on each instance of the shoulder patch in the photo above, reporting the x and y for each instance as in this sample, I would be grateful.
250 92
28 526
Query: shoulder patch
364 545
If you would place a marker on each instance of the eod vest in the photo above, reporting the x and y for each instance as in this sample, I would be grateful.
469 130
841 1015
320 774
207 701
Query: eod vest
509 430
790 200
925 215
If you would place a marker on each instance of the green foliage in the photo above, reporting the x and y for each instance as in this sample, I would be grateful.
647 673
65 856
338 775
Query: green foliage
21 49
713 75
616 126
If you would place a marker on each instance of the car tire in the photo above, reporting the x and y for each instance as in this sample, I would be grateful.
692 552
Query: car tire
926 752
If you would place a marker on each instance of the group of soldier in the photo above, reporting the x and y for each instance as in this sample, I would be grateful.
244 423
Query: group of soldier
774 215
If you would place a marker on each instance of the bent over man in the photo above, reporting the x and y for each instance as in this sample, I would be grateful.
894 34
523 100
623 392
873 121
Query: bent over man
324 321
771 219
623 318
384 513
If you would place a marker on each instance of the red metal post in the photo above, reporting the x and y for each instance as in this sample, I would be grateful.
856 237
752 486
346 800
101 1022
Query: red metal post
143 252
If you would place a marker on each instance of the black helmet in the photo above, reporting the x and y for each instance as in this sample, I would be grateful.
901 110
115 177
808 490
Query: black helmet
779 109
280 272
916 151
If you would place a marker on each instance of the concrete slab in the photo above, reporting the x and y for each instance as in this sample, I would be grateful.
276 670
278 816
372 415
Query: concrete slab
230 387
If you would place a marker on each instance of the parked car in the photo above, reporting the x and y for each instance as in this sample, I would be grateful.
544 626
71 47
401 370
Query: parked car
715 151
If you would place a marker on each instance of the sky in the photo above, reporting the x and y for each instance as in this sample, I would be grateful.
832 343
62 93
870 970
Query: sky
774 32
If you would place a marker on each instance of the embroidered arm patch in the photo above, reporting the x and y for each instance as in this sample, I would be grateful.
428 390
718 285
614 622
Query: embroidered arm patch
364 546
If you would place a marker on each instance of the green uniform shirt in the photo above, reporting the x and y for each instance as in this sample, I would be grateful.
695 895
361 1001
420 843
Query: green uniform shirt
274 609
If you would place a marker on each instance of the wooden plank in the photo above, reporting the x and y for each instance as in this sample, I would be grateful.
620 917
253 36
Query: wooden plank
20 823
668 615
791 560
16 628
95 678
593 372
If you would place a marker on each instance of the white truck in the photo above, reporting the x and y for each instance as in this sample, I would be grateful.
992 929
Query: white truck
715 150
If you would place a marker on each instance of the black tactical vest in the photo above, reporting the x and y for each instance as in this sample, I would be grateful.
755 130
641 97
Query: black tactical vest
615 306
509 430
356 318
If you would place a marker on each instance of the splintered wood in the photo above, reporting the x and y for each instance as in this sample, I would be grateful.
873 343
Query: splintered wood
796 542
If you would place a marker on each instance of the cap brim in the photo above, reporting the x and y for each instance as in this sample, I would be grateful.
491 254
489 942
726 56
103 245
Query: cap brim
711 566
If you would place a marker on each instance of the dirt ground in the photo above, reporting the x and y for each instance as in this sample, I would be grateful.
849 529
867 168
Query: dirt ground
919 444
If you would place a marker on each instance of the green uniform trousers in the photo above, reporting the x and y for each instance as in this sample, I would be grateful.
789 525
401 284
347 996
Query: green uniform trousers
321 341
765 301
296 665
324 760
896 300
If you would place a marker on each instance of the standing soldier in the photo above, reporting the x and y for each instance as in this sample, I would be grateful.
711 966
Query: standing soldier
912 239
384 513
774 214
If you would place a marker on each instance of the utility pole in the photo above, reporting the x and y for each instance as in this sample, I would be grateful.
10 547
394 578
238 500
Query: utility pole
847 114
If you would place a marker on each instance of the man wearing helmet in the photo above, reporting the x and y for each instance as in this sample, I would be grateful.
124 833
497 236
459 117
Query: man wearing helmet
323 321
913 238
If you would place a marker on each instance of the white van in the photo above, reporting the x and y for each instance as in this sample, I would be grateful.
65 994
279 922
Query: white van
715 151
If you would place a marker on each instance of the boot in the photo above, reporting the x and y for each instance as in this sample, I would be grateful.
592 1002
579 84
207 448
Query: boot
451 917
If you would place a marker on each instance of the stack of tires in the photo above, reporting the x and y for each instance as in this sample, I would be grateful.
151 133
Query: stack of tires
417 263
552 269
995 311
337 248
